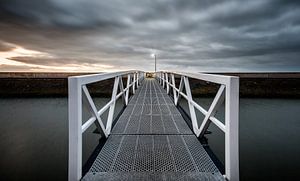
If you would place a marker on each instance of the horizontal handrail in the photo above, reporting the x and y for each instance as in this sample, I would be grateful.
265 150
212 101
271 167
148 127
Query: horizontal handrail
219 79
79 96
91 78
228 92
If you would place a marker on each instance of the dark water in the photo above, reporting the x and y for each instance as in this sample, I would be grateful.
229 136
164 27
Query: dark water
34 138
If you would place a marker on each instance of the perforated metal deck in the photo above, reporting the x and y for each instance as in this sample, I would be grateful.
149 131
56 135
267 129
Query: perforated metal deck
151 141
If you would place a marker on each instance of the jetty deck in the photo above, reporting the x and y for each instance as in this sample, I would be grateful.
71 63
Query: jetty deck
152 141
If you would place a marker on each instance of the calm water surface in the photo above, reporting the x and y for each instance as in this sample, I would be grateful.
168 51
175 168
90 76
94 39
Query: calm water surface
34 138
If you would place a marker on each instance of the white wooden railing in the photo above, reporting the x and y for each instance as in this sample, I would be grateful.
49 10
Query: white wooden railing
228 91
77 91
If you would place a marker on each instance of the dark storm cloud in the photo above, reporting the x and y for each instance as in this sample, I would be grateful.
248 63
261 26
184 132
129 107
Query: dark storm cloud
198 34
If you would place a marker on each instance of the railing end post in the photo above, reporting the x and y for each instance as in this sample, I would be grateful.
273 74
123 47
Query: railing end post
75 134
232 129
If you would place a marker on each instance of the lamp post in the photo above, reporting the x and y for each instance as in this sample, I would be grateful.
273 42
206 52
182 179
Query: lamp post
154 55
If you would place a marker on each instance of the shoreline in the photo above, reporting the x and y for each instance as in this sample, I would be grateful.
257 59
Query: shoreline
260 85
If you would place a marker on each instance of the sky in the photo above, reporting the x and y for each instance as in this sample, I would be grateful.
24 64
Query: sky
186 35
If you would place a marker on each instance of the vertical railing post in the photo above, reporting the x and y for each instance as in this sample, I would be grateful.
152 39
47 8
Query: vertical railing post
137 79
133 86
127 91
163 78
167 80
191 106
232 129
75 123
142 76
121 87
112 106
179 89
159 74
159 78
173 83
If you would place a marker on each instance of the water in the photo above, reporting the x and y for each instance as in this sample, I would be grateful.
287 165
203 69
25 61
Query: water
34 138
269 138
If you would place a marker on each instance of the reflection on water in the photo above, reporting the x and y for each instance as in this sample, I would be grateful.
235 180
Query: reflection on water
34 138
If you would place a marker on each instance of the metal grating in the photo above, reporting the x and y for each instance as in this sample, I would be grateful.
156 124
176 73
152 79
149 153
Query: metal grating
123 160
169 124
148 113
132 125
143 160
173 110
163 160
156 109
203 162
168 100
146 109
147 153
151 141
151 124
145 125
182 158
157 125
128 110
165 109
154 176
107 155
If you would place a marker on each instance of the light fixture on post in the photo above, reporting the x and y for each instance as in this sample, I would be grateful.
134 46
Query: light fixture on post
154 56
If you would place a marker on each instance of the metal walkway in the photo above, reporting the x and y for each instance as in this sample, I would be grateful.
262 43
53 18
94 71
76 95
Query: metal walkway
151 141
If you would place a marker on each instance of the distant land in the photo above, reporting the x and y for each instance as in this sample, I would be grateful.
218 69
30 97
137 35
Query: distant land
45 84
49 75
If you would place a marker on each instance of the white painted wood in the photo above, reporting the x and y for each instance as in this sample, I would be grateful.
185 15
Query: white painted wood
121 87
163 78
119 95
191 106
198 107
76 87
87 79
218 100
167 81
91 120
75 136
219 79
127 89
159 78
218 123
104 108
133 87
232 130
173 87
181 84
88 123
231 86
137 80
112 106
92 108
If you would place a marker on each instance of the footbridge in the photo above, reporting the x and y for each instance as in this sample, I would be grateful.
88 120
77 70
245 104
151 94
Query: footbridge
151 140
